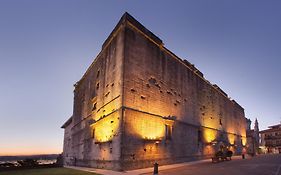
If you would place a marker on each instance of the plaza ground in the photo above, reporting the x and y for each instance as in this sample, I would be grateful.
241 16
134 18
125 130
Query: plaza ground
269 164
258 165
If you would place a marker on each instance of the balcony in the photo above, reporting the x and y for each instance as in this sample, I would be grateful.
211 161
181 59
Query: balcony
272 137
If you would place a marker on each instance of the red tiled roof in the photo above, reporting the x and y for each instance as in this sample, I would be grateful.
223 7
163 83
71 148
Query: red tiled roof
271 130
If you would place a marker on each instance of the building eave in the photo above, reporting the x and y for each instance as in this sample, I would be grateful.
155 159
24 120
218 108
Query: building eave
68 122
270 130
275 126
128 20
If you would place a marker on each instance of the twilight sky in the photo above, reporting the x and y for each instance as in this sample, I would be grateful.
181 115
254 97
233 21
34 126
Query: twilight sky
46 46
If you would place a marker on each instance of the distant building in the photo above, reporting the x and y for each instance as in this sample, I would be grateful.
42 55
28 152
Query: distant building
271 139
253 139
138 103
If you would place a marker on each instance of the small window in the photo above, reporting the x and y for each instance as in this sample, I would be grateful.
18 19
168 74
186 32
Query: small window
94 106
220 122
199 136
168 132
98 73
93 133
98 86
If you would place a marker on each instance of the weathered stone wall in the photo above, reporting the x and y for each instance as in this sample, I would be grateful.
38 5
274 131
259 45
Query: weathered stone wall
67 145
145 142
139 103
97 106
158 83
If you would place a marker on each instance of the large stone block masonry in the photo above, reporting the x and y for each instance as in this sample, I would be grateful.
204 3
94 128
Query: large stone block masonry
138 103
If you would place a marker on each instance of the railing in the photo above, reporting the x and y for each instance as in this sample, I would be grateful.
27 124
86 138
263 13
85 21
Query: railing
272 137
272 144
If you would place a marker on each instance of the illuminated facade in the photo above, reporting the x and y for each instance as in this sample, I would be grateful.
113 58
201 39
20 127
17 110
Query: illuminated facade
271 139
139 103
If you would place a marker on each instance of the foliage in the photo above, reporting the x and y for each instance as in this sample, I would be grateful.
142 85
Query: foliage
219 154
229 153
59 161
7 164
28 163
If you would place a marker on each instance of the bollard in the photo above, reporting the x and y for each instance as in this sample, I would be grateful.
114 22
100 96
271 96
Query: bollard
155 172
243 156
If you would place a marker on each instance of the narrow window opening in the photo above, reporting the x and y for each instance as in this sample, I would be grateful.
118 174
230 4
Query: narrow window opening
199 136
98 74
168 132
94 106
93 133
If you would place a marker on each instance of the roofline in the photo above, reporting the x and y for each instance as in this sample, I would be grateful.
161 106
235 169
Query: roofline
128 20
270 130
275 125
68 122
126 17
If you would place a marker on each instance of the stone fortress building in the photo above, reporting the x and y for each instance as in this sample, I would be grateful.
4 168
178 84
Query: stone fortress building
138 103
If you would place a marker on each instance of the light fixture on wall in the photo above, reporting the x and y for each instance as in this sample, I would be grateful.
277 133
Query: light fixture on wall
213 142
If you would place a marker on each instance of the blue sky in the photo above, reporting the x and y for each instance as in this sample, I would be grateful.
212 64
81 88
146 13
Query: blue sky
46 46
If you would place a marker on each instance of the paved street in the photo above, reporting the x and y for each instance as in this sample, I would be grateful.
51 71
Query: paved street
259 165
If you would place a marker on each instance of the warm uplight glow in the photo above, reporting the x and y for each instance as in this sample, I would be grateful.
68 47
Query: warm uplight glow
107 109
106 128
150 130
149 127
244 141
231 138
209 135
